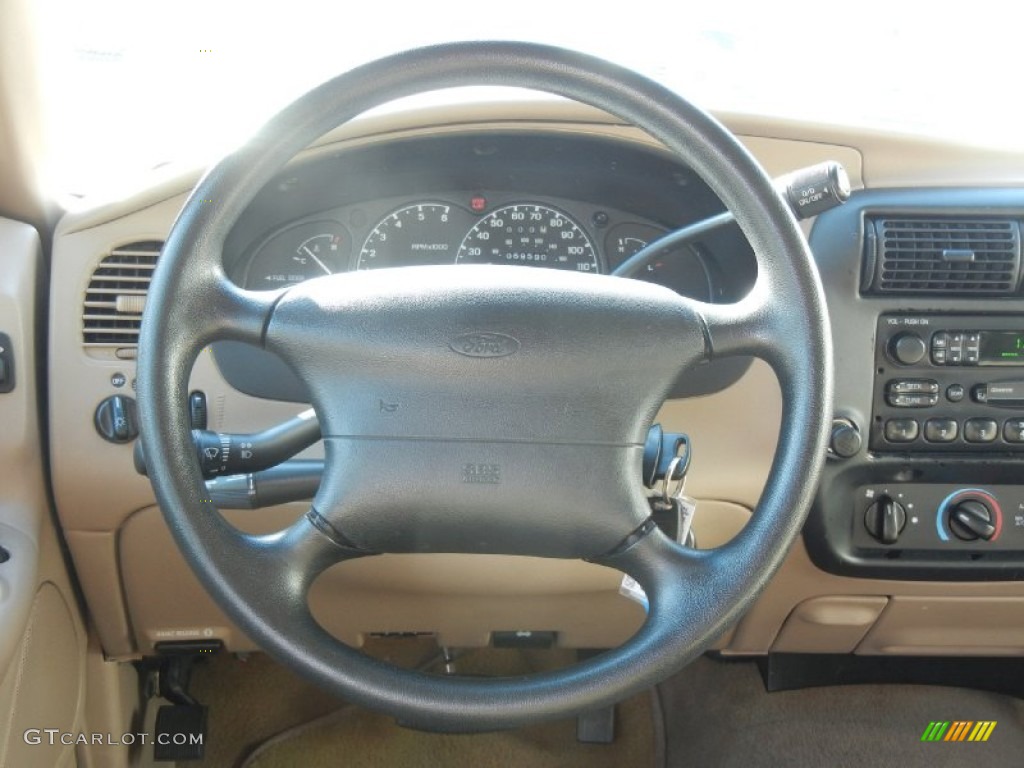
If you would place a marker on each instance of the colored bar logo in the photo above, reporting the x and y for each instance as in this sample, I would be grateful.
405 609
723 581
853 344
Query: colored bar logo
958 730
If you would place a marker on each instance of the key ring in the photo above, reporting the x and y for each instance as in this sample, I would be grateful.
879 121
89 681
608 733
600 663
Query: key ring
673 466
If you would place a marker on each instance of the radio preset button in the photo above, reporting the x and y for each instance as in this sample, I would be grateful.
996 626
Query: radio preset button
955 393
980 430
901 430
1013 431
940 430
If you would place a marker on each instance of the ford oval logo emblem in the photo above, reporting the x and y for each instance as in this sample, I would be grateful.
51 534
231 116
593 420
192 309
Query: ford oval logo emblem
485 345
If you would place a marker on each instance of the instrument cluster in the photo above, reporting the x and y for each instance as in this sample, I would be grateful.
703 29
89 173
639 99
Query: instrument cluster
468 228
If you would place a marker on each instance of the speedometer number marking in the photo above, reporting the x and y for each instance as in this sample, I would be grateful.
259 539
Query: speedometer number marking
529 235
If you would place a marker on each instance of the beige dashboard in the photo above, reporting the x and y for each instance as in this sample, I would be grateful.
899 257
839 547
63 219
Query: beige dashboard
139 591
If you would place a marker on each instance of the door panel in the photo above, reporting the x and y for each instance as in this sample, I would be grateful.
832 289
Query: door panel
42 637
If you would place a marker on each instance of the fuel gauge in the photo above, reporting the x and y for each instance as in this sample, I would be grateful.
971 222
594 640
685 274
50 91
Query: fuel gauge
682 268
307 250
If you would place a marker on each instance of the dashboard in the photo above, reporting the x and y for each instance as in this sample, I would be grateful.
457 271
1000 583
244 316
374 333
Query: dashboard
557 186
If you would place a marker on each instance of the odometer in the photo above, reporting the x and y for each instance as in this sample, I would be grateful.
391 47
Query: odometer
529 235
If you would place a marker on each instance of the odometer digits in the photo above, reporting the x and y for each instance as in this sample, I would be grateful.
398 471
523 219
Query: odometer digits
529 235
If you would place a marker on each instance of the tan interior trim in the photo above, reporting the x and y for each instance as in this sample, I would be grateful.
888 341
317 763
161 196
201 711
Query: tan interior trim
948 626
24 496
42 638
113 705
24 502
799 579
22 148
829 624
44 687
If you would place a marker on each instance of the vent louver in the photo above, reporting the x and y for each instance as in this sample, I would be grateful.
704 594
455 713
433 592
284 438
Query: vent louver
116 296
911 255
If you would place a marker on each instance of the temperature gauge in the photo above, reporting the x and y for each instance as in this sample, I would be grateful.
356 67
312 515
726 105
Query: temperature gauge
682 268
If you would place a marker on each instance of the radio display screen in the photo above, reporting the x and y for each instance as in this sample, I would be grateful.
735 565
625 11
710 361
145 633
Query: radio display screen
1002 348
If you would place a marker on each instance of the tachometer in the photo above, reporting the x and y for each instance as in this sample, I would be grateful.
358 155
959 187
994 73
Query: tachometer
311 249
529 235
422 233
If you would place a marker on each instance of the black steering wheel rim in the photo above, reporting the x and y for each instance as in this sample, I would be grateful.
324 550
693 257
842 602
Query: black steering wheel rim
261 582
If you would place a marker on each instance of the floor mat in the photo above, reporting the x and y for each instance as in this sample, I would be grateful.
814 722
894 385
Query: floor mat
718 714
372 740
252 700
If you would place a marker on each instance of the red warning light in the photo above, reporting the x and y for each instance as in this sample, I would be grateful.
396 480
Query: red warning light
478 204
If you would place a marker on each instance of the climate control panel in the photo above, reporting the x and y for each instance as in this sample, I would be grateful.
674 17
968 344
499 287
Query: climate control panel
938 518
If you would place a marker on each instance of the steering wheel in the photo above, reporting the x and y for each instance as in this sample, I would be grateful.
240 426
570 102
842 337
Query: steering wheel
518 402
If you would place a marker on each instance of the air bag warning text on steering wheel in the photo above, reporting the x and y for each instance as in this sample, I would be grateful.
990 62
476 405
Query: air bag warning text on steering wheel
485 474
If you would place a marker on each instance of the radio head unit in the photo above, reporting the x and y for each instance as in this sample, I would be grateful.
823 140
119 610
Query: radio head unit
948 383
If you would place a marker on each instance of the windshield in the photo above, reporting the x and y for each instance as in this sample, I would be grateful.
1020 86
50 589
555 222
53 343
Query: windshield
131 84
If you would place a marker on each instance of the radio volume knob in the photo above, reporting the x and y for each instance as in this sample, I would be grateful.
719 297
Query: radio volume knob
907 348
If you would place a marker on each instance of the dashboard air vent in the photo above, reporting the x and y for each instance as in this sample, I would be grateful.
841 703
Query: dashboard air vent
963 255
116 295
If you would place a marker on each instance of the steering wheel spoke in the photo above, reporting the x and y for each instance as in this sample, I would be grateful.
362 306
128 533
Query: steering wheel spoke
280 566
305 549
661 566
747 327
237 314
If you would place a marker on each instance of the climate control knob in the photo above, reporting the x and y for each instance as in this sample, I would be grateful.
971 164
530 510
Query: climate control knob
971 520
907 348
885 519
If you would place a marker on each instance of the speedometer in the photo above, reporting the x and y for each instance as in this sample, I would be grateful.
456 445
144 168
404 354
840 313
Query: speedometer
529 235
